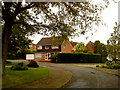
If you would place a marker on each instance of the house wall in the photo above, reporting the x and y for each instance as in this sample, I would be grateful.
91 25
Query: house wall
66 46
89 48
33 46
43 57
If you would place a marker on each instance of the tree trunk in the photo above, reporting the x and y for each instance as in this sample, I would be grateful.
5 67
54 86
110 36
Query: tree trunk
5 40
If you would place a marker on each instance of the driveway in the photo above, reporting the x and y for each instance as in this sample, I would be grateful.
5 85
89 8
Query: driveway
86 77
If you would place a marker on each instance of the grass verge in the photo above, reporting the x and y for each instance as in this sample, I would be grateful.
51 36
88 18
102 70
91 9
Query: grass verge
14 78
109 71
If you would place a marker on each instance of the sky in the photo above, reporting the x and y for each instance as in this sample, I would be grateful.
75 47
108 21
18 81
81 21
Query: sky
109 16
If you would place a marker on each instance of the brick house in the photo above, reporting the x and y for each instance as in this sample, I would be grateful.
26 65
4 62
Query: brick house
51 45
32 46
90 46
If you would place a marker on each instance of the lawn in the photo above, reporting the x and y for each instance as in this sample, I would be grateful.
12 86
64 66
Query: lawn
14 78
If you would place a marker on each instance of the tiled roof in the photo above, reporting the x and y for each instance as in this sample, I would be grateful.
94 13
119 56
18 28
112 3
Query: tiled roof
91 44
51 41
73 43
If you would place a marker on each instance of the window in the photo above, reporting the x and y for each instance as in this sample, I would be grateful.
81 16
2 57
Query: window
55 47
30 45
38 55
46 47
39 47
64 46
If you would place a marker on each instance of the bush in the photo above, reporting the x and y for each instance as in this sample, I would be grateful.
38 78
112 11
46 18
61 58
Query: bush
20 55
53 58
89 53
112 65
19 66
77 58
33 63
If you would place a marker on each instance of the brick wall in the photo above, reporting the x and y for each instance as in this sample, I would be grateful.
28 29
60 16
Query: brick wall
89 48
66 46
33 46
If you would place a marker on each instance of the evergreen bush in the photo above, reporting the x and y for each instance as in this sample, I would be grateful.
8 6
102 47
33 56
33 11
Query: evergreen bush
33 63
77 58
19 66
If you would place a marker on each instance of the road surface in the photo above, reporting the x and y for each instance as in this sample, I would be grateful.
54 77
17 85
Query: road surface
86 77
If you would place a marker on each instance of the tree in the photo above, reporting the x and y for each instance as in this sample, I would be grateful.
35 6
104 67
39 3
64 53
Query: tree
100 48
17 46
96 46
25 15
80 47
113 43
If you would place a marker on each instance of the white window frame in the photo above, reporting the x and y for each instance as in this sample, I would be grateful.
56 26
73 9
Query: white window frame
46 47
55 47
39 47
64 46
47 55
30 46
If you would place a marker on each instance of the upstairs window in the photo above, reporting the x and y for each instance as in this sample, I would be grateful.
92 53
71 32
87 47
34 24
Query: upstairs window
64 46
39 47
55 47
46 47
30 45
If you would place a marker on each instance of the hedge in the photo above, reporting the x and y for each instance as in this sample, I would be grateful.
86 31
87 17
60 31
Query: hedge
77 58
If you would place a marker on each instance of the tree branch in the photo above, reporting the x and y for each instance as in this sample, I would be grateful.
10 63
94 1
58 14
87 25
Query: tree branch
19 9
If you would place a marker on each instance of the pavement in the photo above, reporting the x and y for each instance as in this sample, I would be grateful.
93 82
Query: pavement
80 76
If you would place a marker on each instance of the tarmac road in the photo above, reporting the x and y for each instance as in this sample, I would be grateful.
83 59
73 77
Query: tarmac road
86 77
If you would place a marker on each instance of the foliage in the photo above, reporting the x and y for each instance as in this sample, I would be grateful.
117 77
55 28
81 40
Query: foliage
19 66
14 78
80 47
26 17
18 44
100 48
113 47
54 58
33 63
89 52
20 55
112 65
77 58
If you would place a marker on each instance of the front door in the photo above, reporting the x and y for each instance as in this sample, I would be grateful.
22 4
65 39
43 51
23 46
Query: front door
47 56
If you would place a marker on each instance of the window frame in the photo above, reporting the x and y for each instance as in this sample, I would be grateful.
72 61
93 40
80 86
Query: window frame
30 46
55 47
39 47
47 47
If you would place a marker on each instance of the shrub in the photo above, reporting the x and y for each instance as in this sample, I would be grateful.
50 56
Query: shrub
19 66
112 65
53 58
77 58
33 63
89 53
102 66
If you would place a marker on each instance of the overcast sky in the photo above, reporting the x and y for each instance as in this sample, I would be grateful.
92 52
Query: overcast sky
109 15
